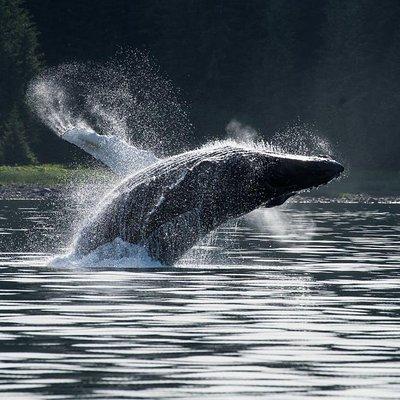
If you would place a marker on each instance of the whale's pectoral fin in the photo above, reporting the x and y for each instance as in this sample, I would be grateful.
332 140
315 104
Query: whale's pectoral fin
121 157
278 200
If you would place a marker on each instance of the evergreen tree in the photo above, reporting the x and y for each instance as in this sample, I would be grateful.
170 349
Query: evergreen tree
15 148
19 62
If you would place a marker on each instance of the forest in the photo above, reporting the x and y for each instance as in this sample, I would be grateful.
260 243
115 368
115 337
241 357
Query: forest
332 65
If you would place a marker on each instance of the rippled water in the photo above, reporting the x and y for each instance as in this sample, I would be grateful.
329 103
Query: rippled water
307 306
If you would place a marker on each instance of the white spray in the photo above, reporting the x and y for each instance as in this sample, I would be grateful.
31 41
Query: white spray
281 225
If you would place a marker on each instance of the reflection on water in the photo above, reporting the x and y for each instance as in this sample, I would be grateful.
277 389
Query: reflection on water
270 315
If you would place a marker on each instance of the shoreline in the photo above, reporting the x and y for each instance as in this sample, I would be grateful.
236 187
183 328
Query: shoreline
54 192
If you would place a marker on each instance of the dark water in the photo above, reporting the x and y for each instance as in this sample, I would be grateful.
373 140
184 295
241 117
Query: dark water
305 307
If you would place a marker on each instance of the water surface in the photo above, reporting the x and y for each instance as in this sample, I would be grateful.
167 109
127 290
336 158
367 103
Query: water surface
305 307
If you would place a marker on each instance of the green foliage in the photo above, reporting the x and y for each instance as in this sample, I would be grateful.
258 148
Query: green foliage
19 62
48 175
14 147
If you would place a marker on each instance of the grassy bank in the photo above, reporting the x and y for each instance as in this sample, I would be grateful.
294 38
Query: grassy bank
46 174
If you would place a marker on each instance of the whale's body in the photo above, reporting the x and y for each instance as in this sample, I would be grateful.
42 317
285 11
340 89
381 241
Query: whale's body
171 204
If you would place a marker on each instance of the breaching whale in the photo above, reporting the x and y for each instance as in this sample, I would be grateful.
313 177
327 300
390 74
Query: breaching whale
172 203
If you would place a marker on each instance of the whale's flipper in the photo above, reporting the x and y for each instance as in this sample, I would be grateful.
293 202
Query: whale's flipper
121 157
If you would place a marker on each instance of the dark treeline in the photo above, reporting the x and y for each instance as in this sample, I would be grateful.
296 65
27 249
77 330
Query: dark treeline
19 61
330 63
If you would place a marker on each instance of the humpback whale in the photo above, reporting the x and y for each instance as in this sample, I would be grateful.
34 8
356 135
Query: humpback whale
170 204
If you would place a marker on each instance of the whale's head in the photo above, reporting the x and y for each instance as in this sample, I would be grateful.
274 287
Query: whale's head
262 177
241 179
296 173
284 176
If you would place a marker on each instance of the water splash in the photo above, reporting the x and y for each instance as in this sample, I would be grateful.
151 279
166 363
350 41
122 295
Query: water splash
276 222
50 100
298 138
242 133
116 254
126 96
261 146
301 138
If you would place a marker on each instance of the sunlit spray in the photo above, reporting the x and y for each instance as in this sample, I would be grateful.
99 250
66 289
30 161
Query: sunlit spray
242 133
301 138
126 96
281 225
